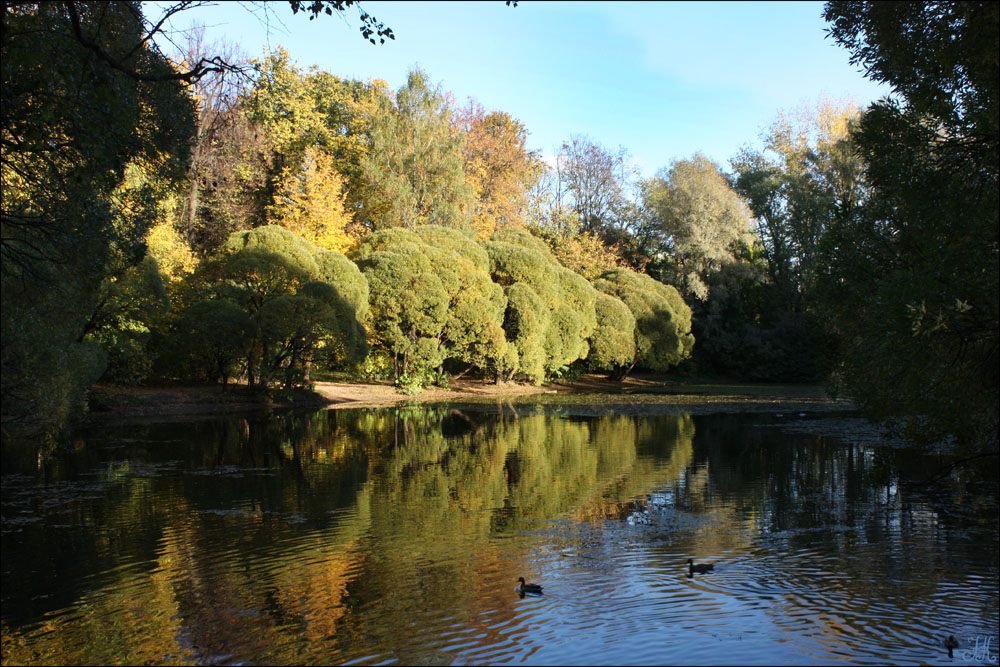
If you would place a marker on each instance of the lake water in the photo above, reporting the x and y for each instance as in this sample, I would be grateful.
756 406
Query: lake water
397 535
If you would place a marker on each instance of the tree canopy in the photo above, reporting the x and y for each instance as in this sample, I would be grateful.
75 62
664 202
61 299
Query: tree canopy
86 150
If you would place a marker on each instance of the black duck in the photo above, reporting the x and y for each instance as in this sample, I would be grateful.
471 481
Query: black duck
700 568
528 588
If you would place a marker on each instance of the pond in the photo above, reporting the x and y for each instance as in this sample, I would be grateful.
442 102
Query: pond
397 535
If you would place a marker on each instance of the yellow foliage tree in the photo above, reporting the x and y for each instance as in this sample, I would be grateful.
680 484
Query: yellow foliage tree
810 131
585 253
172 254
309 202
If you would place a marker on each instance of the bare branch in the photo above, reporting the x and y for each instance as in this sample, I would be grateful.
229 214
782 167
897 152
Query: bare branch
200 69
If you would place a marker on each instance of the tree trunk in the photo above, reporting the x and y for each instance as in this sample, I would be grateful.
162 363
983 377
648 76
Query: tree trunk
191 212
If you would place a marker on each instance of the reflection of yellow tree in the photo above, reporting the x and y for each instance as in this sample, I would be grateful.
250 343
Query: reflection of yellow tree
313 586
185 606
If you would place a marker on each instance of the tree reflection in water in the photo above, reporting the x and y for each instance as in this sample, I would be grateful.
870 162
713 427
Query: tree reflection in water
394 534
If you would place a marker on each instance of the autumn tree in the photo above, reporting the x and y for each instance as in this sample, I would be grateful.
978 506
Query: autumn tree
349 109
216 95
700 222
583 252
85 148
309 202
319 132
585 206
550 205
498 167
807 176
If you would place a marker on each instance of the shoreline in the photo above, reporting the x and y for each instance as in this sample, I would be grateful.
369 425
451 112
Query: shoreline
110 403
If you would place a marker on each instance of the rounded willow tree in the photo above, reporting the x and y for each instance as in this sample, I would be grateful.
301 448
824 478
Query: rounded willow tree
550 310
612 345
302 305
662 320
432 300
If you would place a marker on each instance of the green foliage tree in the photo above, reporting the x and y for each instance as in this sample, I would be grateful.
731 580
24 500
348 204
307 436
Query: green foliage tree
912 286
213 335
473 332
416 163
807 177
612 345
128 310
702 225
302 302
662 320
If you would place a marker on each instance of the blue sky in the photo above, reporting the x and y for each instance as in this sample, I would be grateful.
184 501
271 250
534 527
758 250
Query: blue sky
662 79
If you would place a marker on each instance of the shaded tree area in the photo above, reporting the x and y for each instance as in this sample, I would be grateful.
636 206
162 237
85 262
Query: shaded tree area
807 176
121 167
910 282
266 307
87 150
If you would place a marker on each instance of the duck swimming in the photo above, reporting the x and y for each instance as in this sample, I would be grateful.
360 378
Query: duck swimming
700 568
528 588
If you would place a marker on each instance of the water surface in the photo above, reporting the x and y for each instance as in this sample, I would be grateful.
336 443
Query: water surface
397 535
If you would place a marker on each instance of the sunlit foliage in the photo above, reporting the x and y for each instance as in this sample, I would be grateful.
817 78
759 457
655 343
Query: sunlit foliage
612 345
701 223
662 320
432 300
309 202
415 160
550 314
807 176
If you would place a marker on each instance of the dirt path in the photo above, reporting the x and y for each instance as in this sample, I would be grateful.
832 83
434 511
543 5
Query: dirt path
115 402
